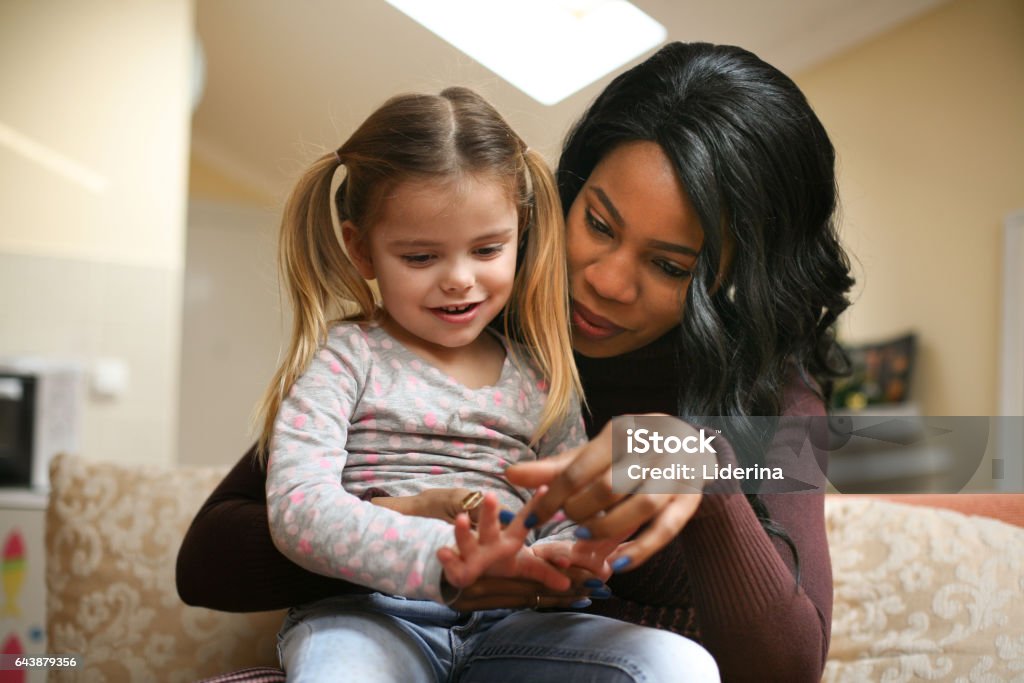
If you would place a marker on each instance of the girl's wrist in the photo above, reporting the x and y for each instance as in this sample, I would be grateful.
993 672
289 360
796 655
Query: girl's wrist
449 593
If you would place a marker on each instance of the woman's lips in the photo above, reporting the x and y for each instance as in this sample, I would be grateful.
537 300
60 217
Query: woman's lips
592 325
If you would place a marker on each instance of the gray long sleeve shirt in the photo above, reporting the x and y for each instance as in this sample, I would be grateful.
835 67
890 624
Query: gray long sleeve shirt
370 413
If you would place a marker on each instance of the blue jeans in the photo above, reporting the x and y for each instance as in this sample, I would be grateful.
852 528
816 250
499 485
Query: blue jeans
377 638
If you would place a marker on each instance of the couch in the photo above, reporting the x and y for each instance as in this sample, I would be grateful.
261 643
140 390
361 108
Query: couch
921 593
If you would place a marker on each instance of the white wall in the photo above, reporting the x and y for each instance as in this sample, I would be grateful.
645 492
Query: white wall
231 327
94 138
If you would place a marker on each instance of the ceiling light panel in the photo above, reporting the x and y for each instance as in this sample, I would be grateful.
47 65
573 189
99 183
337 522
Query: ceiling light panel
549 49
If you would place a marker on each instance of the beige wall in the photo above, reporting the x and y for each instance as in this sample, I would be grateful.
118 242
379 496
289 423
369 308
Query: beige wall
928 122
94 137
207 182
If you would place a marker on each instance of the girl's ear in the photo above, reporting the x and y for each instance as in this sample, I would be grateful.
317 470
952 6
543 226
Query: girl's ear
358 250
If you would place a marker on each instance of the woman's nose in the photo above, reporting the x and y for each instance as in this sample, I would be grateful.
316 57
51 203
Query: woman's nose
613 277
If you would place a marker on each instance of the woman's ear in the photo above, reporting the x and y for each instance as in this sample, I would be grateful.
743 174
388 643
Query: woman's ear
358 250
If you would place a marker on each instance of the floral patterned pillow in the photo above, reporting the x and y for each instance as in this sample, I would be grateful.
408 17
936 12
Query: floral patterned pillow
924 594
112 537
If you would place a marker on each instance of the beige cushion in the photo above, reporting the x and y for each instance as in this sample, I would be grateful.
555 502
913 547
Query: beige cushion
924 594
112 536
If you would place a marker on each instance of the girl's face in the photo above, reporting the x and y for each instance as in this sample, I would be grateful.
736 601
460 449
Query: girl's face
633 240
444 257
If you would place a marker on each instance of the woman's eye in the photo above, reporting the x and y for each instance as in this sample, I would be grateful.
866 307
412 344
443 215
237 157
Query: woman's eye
417 259
490 251
672 270
597 226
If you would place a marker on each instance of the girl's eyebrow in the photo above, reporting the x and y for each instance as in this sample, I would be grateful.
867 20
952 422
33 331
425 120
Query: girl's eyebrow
617 217
505 233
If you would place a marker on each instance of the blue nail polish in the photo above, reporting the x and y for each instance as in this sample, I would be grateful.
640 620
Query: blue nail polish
580 604
601 593
593 583
621 563
506 516
582 533
530 521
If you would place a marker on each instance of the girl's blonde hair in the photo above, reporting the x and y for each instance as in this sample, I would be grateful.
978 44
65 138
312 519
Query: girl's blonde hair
422 138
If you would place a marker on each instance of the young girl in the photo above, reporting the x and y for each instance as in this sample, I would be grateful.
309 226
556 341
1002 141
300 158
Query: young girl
459 223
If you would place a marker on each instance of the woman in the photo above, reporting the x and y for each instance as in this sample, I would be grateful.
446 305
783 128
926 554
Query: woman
707 277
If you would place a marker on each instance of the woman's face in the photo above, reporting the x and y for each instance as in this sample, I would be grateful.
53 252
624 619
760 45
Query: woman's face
633 240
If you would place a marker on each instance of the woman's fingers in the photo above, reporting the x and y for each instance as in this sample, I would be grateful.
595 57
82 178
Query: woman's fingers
533 474
662 529
592 499
586 463
622 521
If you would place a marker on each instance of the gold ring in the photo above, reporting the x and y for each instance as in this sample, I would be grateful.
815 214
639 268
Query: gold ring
472 501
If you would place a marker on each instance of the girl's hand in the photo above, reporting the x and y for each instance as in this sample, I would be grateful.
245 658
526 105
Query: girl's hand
497 552
443 504
580 483
590 556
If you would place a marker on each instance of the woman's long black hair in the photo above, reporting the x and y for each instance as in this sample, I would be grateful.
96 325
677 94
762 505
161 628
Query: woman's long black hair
758 167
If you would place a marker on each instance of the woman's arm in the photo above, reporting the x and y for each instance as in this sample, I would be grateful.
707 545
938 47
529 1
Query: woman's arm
227 560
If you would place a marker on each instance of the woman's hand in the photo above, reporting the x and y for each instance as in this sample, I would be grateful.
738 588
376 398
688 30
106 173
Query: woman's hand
580 483
517 593
443 504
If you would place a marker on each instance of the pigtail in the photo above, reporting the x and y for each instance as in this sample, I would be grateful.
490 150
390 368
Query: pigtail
320 280
539 305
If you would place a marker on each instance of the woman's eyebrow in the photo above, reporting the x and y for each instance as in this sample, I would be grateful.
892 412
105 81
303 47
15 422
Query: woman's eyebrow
608 205
669 246
656 244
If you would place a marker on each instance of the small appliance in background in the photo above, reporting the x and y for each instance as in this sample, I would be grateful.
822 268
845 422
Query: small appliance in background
40 413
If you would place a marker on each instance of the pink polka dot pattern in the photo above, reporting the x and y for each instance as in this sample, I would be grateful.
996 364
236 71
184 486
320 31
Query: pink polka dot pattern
370 413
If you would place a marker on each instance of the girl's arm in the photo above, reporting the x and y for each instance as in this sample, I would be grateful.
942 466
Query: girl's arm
227 560
313 520
321 526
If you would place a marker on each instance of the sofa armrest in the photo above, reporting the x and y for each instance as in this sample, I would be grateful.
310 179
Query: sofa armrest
112 535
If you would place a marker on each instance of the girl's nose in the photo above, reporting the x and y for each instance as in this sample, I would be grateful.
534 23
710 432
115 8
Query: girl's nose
613 277
458 278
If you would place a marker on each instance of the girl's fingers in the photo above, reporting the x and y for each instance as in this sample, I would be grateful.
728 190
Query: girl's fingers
453 567
666 526
465 539
531 567
489 528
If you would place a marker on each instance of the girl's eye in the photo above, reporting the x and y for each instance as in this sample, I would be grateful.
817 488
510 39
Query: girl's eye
597 226
490 251
417 259
672 270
